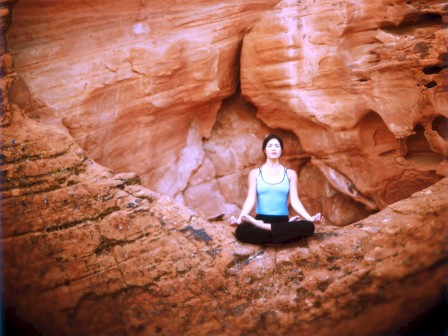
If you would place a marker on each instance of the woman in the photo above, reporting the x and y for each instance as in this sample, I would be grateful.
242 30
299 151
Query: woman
270 186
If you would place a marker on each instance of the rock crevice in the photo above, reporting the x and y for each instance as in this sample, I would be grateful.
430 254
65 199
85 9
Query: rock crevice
88 251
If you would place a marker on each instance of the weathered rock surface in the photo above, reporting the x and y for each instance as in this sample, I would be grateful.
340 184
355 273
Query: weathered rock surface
138 86
91 252
362 84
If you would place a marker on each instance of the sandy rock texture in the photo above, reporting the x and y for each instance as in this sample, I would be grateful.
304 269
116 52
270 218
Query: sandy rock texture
89 251
362 84
137 83
361 87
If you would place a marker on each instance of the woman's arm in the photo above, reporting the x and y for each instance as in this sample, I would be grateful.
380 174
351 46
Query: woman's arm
251 195
294 198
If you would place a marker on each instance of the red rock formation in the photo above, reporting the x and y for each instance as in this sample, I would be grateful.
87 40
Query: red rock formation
138 86
87 251
362 85
93 253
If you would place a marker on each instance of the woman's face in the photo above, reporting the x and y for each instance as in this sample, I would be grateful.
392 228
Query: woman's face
273 149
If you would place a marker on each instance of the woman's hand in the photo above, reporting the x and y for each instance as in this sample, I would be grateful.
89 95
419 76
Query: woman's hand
317 218
234 221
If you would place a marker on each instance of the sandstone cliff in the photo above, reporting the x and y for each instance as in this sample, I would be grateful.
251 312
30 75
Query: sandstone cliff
357 90
363 86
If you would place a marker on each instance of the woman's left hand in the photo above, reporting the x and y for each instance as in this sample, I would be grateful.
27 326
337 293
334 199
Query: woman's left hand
317 218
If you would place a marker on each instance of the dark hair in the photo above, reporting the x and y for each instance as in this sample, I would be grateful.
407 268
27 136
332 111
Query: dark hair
270 137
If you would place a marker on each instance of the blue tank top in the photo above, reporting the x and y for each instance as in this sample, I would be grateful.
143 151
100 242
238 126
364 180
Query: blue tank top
272 197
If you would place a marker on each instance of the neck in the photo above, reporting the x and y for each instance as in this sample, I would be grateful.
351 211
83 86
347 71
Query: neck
272 163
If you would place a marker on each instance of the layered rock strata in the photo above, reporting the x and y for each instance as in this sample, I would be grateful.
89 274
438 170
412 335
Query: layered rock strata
363 86
88 251
139 85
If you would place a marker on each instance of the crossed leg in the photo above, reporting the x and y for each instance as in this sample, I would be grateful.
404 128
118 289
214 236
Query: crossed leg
272 229
257 222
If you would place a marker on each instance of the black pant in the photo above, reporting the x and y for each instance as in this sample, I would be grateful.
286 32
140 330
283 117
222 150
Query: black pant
282 231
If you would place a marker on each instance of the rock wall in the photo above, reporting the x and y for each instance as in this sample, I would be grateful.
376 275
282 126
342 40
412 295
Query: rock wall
362 87
362 84
138 86
92 252
89 252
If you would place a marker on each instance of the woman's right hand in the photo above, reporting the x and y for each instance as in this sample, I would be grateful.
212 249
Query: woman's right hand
234 221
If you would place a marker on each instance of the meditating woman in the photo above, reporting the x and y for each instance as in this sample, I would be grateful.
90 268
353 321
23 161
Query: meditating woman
270 186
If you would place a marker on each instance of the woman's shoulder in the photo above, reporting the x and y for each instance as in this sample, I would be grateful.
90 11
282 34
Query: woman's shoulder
255 171
291 172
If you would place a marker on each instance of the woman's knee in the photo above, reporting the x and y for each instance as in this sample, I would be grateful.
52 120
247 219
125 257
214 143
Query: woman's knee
243 232
305 227
239 232
310 227
248 233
